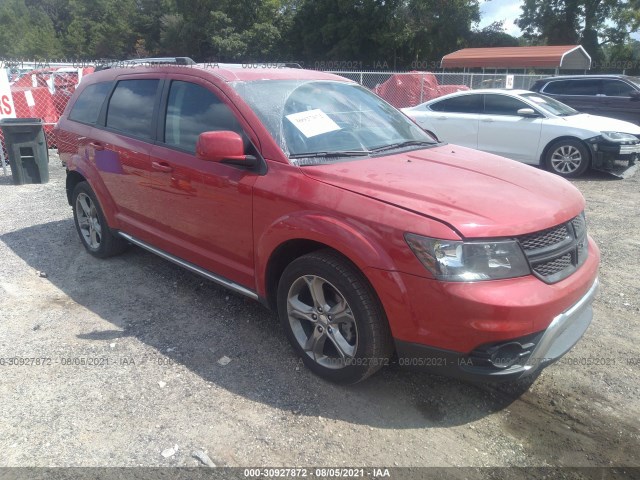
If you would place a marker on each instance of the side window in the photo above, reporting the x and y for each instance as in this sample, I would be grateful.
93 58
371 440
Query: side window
582 87
88 105
461 104
502 105
616 88
131 107
555 88
191 110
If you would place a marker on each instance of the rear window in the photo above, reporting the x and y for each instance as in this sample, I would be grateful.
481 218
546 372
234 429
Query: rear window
502 105
88 105
616 88
131 107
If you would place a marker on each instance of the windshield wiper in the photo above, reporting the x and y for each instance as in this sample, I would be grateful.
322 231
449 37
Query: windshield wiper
408 143
340 153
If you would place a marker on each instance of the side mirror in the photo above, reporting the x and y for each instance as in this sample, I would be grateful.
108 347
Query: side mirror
527 112
635 95
432 135
223 146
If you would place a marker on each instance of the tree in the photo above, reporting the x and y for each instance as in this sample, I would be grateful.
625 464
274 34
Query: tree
433 28
340 29
101 29
395 32
26 33
623 57
149 22
57 11
230 30
592 23
492 36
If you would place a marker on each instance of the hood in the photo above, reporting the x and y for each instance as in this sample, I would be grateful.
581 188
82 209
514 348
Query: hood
478 194
599 124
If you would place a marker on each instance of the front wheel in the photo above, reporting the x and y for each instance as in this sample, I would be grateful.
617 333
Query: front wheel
333 318
568 158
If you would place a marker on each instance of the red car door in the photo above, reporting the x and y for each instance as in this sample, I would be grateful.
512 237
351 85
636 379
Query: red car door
121 150
205 208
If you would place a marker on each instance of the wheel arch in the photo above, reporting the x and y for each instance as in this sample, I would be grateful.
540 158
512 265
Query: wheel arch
545 150
103 196
73 179
292 249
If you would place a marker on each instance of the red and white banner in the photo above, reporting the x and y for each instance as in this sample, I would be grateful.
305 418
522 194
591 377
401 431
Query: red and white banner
7 109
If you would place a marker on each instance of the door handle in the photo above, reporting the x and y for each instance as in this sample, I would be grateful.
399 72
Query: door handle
96 146
488 120
442 118
162 167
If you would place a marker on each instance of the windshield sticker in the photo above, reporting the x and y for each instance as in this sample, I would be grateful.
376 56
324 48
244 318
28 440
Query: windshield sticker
313 122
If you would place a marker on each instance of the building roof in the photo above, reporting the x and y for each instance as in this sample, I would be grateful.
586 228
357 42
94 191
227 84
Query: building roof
572 57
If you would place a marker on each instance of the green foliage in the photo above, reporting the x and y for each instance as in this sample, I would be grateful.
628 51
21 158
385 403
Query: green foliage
26 32
492 36
591 23
376 31
622 57
370 33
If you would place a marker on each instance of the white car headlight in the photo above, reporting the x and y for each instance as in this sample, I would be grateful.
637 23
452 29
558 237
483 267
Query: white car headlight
457 261
618 137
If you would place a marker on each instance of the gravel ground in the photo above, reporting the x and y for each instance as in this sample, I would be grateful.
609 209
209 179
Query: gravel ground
134 370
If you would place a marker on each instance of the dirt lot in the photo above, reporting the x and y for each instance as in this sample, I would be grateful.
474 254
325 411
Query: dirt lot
151 335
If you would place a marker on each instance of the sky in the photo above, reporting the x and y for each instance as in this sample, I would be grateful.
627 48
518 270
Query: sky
501 10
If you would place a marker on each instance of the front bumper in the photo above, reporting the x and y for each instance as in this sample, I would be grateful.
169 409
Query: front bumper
619 160
506 360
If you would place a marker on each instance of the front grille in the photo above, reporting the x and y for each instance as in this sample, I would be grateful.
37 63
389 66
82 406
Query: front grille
554 266
579 225
555 253
545 238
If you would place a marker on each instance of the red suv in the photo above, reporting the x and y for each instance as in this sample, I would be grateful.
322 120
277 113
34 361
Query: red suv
307 192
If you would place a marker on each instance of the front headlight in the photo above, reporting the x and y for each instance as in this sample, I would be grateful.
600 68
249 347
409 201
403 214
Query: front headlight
457 261
619 137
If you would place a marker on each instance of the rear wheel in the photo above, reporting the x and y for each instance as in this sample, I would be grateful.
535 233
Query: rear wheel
333 318
95 234
568 158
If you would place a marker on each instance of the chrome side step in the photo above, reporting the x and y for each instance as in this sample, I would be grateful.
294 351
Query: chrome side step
190 266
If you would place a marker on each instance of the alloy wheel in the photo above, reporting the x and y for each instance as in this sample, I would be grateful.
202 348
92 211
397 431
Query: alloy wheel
88 221
322 322
566 159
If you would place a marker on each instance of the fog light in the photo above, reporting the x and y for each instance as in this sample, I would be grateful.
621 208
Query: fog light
507 355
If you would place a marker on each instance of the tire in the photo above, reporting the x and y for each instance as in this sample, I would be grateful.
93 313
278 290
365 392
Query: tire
96 236
340 331
568 158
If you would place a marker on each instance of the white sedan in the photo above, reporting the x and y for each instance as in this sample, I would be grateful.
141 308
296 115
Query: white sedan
531 128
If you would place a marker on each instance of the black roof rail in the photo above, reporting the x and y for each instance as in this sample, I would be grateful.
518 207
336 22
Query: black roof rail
146 61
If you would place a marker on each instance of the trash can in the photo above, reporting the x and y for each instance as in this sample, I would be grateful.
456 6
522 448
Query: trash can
26 149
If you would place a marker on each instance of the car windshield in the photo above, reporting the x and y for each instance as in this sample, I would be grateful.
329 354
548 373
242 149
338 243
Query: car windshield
329 119
634 80
550 105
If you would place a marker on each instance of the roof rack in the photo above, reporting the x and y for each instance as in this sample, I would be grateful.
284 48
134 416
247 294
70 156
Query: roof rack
146 61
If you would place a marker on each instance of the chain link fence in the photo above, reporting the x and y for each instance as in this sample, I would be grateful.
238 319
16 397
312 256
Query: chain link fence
408 89
38 91
43 90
